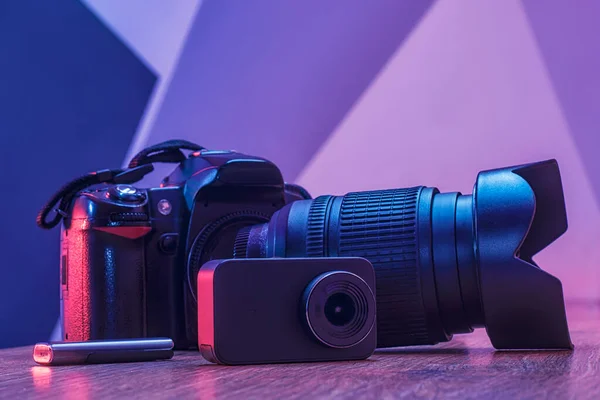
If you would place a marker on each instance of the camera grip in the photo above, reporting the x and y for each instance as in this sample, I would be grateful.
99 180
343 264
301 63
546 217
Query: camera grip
103 293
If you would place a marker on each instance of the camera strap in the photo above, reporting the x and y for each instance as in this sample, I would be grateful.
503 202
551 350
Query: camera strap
61 200
139 166
168 152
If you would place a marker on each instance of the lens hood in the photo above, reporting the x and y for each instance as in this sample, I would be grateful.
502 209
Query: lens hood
518 212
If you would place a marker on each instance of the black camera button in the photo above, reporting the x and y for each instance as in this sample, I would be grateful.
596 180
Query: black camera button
168 243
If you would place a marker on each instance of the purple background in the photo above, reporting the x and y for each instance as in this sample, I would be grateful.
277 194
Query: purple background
367 95
276 77
71 96
344 95
567 34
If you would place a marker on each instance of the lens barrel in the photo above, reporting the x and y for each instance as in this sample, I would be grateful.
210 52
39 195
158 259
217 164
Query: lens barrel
445 263
409 235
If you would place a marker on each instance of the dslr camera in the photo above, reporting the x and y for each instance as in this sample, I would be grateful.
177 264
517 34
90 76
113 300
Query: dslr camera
445 263
130 256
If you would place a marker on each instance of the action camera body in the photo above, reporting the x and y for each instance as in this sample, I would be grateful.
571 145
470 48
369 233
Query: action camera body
255 311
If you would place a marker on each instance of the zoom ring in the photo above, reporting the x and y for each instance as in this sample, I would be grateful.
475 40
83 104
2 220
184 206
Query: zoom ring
381 226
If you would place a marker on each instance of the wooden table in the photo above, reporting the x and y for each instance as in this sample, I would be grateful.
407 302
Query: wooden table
467 367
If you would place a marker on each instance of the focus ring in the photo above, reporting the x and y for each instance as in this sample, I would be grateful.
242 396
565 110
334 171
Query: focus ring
381 226
316 232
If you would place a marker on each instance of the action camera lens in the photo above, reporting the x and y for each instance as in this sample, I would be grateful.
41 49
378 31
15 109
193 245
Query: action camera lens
340 309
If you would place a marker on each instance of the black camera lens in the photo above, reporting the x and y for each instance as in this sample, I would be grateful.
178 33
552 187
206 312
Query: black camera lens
339 309
445 263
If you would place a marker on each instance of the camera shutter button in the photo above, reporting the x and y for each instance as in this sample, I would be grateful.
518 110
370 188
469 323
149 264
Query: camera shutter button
126 193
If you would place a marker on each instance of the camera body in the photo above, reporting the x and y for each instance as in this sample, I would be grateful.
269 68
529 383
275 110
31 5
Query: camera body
129 256
255 311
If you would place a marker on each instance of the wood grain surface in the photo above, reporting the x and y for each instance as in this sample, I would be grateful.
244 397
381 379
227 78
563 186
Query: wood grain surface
466 367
